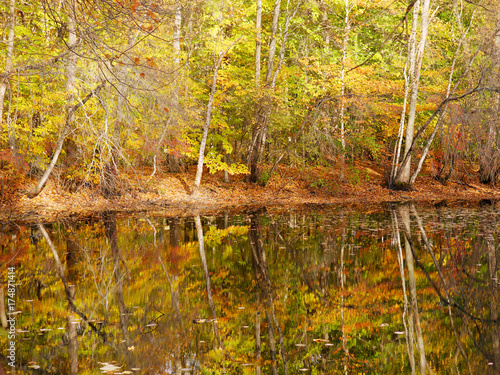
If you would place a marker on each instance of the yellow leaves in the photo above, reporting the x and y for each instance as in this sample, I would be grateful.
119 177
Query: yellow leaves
215 236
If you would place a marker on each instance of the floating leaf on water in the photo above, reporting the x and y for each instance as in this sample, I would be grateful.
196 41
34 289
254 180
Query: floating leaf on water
108 367
320 340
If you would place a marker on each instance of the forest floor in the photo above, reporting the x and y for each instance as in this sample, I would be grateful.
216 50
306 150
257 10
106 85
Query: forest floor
168 194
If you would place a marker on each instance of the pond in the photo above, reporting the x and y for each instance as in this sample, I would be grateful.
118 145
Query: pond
400 289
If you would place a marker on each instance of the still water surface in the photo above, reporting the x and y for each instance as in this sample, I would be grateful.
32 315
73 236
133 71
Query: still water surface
398 290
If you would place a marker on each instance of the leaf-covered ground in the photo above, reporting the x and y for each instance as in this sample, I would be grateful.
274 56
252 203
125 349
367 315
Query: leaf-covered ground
169 194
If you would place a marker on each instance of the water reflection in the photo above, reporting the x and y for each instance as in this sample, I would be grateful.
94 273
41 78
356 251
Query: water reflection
400 290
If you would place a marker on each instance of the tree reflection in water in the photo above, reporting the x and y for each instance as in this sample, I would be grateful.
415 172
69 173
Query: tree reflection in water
323 292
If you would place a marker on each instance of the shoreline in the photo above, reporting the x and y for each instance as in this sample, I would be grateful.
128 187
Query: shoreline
168 195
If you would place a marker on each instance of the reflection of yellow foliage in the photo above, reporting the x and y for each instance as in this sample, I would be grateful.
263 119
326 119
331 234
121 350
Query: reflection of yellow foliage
215 236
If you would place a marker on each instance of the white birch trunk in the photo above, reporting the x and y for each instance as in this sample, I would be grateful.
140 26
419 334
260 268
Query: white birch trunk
416 57
201 155
71 64
258 42
272 44
347 28
414 315
8 64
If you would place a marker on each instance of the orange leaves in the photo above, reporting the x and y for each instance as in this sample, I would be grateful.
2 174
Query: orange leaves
134 6
150 62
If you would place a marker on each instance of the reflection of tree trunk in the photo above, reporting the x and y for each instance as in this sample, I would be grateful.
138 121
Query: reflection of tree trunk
344 338
3 315
264 284
174 243
69 289
449 300
492 269
112 235
404 213
201 243
73 344
272 343
71 259
409 331
257 343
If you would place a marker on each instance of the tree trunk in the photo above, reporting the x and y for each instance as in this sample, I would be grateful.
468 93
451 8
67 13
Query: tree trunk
347 29
259 132
71 64
490 158
8 67
263 107
173 164
70 90
64 133
400 174
258 42
272 43
201 155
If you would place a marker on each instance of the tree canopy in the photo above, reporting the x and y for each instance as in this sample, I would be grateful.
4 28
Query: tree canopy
92 89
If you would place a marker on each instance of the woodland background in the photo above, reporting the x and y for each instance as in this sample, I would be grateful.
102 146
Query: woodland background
92 91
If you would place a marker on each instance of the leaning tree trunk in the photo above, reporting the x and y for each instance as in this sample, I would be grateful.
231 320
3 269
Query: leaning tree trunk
201 155
59 145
